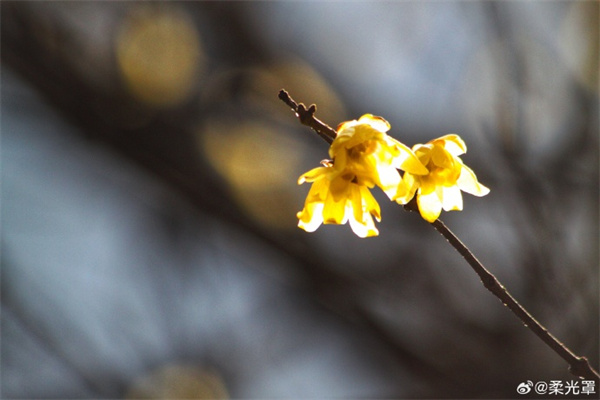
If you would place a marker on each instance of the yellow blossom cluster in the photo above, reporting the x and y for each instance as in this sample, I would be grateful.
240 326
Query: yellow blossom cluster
364 156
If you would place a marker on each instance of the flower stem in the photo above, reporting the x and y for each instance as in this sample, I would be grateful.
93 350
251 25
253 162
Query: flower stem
578 366
307 117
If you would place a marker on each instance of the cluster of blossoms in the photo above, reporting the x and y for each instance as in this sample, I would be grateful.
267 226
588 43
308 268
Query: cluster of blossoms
364 156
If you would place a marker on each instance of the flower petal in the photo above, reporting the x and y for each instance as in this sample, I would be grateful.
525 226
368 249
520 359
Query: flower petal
318 191
376 122
363 230
313 174
389 179
311 217
467 182
407 188
423 153
334 212
440 157
452 199
340 161
453 144
346 126
407 160
356 203
428 184
362 134
430 206
370 205
340 186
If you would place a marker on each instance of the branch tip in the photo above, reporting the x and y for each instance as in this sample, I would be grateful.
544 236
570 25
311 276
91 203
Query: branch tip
307 117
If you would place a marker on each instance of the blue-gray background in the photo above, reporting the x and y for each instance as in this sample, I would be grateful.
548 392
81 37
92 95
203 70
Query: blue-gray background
149 240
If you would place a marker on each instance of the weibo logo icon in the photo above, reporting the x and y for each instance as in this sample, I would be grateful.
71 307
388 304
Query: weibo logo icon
524 387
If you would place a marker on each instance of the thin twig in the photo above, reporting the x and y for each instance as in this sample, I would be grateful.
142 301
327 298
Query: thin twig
307 117
578 365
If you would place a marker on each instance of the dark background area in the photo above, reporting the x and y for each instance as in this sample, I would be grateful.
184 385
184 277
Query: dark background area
149 198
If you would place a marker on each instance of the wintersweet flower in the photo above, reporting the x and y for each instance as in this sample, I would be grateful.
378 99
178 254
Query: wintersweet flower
336 198
441 187
374 157
363 156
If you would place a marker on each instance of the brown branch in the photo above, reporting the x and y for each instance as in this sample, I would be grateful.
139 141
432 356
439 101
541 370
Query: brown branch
307 117
578 366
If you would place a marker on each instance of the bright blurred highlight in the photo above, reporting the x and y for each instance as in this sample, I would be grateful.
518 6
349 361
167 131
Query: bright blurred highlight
299 78
160 56
178 382
257 162
578 42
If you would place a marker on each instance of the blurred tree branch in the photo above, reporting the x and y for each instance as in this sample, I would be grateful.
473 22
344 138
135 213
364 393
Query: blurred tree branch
165 149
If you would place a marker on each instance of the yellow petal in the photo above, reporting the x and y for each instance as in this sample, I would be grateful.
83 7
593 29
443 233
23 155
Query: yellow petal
362 134
316 194
356 203
407 188
313 174
453 144
430 206
339 143
467 182
423 153
311 217
452 199
339 188
376 122
371 205
318 191
389 179
334 212
345 126
428 184
360 210
449 175
440 157
408 161
363 231
340 160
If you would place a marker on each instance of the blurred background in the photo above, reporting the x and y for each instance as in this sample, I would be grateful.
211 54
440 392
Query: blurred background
149 239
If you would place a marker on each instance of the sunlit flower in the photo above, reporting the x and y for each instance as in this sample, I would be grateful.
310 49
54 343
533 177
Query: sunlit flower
363 156
336 198
364 148
441 187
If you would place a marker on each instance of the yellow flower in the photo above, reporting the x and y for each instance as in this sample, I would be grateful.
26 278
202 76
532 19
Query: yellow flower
441 187
364 148
335 198
363 156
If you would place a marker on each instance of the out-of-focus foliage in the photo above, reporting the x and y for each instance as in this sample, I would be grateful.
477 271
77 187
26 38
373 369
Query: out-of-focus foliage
149 198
